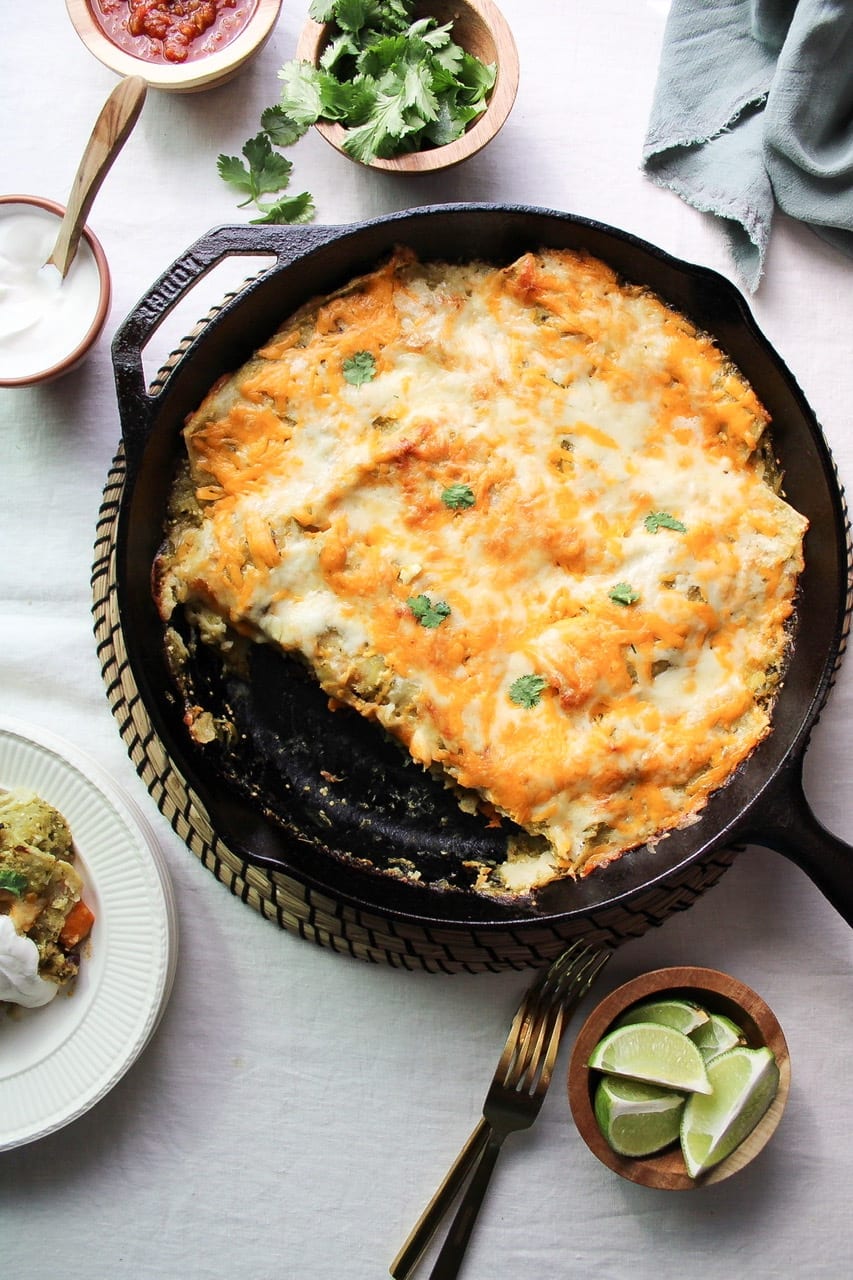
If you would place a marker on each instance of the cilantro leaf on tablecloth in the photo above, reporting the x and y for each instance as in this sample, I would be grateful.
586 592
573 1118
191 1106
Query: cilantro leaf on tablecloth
289 209
279 127
266 172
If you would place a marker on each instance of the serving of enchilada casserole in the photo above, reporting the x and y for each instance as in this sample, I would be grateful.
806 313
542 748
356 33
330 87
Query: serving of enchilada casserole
524 518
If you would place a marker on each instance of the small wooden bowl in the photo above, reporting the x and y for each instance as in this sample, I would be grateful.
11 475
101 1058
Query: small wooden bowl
185 77
481 29
717 992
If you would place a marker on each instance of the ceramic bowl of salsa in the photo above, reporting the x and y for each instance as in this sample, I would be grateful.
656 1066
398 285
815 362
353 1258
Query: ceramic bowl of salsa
177 45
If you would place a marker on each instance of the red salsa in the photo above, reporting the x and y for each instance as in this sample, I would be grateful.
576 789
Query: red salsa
172 30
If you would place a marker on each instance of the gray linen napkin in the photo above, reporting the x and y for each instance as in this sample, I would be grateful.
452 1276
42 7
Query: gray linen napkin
753 107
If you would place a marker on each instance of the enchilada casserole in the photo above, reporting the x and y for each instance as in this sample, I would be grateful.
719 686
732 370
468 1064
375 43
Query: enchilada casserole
524 518
43 914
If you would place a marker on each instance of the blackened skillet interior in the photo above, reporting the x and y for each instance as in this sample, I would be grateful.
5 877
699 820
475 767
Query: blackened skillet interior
387 810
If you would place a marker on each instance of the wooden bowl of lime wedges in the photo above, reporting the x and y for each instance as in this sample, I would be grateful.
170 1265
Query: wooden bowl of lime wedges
679 1078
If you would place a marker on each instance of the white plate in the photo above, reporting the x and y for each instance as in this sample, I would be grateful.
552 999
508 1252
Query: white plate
58 1061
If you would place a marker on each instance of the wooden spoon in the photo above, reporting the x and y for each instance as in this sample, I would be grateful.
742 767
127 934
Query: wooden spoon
112 128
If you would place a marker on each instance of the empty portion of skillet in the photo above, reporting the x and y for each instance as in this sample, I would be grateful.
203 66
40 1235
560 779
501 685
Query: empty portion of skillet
388 813
333 775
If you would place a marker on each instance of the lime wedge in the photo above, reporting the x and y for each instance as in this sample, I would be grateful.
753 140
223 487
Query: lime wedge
716 1035
744 1083
648 1051
637 1119
683 1015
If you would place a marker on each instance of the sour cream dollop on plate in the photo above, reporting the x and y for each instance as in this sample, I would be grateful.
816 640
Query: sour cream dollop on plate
20 982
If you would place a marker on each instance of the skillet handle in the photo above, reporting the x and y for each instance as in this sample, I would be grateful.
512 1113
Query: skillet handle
137 405
790 827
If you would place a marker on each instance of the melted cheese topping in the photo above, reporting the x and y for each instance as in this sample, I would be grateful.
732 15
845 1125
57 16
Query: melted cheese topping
572 408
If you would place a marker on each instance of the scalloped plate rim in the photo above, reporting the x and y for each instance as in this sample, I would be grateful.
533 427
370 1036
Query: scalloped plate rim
126 982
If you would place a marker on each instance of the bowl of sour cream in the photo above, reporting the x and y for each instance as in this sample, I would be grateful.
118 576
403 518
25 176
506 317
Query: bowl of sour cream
47 324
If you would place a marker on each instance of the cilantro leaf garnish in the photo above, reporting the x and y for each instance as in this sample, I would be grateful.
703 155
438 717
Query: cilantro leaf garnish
14 882
349 14
663 520
359 368
623 593
527 690
428 614
458 496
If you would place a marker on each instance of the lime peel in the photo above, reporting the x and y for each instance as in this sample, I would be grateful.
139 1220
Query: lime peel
744 1083
637 1119
716 1035
682 1015
653 1053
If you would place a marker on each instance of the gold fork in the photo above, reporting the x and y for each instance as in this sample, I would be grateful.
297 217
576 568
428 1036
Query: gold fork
513 1101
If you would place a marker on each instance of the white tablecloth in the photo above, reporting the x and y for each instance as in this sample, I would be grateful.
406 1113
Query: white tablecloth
296 1108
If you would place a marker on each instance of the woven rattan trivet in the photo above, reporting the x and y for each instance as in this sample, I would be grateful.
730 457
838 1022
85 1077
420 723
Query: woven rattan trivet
283 898
299 908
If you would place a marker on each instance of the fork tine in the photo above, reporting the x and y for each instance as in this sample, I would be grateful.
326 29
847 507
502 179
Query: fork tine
568 977
540 1083
542 1046
574 983
547 1021
572 970
580 982
543 990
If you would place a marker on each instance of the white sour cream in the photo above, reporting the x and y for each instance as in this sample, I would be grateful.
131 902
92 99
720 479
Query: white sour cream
19 976
43 319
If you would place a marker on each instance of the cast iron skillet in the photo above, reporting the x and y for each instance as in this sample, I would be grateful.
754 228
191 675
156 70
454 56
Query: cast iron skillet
386 814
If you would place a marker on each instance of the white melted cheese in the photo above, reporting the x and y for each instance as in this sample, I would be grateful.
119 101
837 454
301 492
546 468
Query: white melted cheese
573 408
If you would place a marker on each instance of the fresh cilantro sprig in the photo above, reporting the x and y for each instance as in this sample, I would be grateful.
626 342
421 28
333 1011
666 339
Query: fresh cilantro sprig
428 614
279 128
396 83
527 690
265 172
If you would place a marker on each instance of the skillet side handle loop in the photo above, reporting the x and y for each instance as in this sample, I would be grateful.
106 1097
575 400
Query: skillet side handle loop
793 830
137 406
